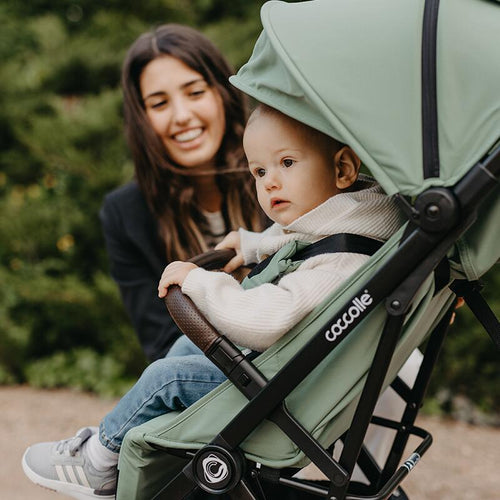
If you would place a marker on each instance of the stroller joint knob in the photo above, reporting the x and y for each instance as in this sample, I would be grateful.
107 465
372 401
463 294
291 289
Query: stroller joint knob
432 211
438 209
395 305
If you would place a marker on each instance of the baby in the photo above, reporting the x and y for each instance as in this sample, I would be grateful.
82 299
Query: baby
308 184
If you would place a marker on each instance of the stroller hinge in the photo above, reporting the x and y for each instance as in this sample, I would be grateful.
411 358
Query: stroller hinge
434 210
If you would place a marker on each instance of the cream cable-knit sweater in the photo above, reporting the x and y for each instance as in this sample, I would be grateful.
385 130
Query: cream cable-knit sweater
258 317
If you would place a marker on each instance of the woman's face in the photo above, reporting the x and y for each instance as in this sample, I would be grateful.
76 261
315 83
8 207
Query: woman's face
184 111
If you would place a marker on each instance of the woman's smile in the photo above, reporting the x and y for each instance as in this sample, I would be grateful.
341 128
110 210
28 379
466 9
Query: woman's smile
188 135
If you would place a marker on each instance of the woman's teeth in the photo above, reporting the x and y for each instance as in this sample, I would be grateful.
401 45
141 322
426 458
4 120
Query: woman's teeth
189 135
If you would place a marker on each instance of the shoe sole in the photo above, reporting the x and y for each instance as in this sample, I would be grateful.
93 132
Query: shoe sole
73 490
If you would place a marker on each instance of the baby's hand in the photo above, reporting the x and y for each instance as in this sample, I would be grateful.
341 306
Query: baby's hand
174 274
232 241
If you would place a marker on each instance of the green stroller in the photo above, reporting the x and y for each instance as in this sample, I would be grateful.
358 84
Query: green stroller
414 90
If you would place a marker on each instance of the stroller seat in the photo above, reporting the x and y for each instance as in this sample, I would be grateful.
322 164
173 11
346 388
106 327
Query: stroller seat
346 369
424 117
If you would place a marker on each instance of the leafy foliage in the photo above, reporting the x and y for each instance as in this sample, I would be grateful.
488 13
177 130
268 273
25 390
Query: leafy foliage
62 149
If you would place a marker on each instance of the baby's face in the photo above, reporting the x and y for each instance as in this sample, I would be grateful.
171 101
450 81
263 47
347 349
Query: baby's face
292 175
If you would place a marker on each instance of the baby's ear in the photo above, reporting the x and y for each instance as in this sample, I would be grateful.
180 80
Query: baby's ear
347 165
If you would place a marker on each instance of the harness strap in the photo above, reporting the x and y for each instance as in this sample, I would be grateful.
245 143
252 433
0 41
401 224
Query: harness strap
470 291
336 243
441 275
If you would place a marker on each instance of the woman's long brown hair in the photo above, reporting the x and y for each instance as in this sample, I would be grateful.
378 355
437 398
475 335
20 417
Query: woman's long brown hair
167 187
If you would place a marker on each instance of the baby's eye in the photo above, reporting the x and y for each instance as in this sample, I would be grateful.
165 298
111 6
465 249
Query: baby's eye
287 162
260 172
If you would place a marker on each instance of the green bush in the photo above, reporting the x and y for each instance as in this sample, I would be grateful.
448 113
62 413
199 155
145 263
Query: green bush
62 148
82 369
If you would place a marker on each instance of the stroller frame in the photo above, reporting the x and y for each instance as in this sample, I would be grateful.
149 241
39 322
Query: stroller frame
439 217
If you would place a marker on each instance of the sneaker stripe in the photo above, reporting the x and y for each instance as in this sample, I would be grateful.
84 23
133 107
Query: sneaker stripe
67 478
71 474
60 473
81 475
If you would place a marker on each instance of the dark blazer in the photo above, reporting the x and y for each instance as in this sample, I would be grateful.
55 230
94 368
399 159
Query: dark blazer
137 260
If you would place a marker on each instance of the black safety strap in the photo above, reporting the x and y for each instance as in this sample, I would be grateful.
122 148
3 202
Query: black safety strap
471 292
441 275
336 243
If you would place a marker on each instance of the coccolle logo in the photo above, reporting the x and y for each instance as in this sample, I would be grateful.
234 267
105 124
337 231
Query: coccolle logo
214 469
357 307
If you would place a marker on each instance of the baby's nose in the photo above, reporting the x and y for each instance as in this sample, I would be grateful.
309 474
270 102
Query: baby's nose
272 180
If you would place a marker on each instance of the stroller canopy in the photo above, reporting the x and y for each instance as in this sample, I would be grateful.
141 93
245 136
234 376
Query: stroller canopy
353 69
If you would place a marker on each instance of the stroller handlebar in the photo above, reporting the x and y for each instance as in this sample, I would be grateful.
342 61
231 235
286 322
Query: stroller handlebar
189 319
184 312
213 259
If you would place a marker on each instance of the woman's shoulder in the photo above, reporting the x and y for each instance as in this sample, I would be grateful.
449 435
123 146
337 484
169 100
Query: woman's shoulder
126 205
126 195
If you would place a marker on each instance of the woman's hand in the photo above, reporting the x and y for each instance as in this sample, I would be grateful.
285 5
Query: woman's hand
232 241
174 274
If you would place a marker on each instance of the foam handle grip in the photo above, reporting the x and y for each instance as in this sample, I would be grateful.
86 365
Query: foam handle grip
189 319
213 259
184 312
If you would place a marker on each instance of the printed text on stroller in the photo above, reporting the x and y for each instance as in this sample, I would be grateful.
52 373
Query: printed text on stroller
358 306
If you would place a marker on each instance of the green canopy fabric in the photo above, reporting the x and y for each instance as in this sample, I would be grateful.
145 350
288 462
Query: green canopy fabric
352 69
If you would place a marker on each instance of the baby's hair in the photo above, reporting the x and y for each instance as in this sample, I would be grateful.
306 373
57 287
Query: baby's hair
316 136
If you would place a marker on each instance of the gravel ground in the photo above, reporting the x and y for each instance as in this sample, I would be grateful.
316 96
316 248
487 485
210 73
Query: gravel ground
462 464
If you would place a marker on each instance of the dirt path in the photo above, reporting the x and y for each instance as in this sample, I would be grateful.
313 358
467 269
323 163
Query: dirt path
462 464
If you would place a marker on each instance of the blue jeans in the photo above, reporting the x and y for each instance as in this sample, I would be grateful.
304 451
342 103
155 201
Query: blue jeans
173 383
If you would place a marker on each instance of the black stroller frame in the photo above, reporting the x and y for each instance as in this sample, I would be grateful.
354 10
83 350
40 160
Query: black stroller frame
438 217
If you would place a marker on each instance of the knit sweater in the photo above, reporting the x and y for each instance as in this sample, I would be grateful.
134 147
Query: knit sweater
258 317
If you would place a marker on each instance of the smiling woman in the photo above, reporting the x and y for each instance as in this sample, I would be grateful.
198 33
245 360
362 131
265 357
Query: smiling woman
184 124
185 112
